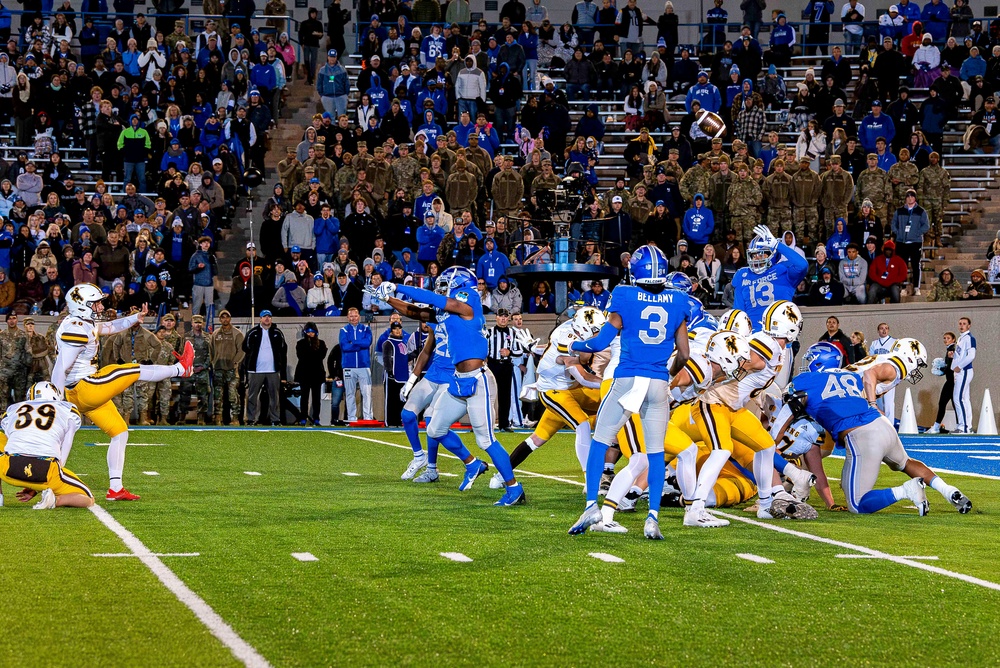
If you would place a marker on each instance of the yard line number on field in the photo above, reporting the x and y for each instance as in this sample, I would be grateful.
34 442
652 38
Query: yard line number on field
218 627
875 554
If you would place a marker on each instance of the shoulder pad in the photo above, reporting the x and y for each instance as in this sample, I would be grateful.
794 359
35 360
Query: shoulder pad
764 345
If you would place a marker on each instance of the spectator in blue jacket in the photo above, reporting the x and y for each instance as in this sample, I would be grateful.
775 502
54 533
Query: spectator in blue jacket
355 349
492 265
429 236
699 222
263 78
875 125
333 85
706 93
597 296
410 264
464 128
326 229
379 96
203 269
935 17
836 245
429 127
973 66
781 43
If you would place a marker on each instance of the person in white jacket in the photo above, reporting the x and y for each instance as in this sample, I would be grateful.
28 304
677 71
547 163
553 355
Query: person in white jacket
470 87
961 364
151 59
319 296
812 144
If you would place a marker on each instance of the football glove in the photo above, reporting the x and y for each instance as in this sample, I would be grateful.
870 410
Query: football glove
764 232
407 388
384 291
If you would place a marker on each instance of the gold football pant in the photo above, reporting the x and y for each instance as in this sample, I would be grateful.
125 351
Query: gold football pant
93 396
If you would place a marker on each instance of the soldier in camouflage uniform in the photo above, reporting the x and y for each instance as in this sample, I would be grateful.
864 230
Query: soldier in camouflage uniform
836 190
903 176
547 180
326 169
874 184
460 193
302 190
672 168
227 353
718 199
446 154
744 198
135 345
934 191
174 338
406 170
379 174
806 189
478 156
695 180
160 392
15 363
343 182
363 158
290 170
38 348
777 193
508 190
200 381
618 190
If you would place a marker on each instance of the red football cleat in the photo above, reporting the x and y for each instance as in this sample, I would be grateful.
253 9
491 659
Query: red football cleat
186 358
122 495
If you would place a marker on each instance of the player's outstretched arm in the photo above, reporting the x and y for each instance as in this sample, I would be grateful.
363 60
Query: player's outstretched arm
437 301
603 339
121 324
408 310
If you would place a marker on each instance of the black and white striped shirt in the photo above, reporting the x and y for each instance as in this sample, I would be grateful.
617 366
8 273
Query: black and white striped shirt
500 338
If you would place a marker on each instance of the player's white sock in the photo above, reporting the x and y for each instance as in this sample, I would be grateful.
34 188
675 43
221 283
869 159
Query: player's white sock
116 460
608 513
763 471
710 473
154 373
687 471
943 488
623 479
583 444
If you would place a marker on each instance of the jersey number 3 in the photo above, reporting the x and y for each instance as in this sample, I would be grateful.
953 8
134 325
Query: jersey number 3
761 293
656 319
46 416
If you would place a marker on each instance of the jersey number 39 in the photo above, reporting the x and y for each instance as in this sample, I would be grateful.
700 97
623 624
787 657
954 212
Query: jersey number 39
46 416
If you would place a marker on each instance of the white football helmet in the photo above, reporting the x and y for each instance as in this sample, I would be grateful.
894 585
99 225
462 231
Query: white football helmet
735 320
914 346
783 320
911 364
587 322
730 351
44 391
81 298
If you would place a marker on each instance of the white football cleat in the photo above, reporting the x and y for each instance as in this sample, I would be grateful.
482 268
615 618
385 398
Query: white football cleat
591 516
651 529
627 504
48 500
765 514
419 462
699 517
787 507
497 481
915 492
430 475
935 429
802 482
608 527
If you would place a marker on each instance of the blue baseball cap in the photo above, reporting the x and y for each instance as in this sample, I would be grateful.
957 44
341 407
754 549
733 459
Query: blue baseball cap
296 249
660 202
332 53
138 211
265 313
151 277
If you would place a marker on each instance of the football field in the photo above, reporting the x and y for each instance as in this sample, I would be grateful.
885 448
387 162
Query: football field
303 548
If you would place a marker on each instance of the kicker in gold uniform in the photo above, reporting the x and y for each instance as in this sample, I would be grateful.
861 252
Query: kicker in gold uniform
36 438
91 389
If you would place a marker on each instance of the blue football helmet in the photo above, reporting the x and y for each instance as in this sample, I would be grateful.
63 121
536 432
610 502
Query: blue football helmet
822 356
649 266
759 255
453 279
678 280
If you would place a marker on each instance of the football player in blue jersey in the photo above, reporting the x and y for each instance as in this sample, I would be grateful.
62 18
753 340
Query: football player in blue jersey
835 398
419 393
651 321
766 281
459 312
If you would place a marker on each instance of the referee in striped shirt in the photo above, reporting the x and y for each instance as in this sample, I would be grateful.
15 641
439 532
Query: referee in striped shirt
503 347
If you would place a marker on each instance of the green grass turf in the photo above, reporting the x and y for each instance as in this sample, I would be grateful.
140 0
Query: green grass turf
380 593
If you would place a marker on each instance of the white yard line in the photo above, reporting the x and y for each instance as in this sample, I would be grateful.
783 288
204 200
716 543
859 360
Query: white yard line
150 473
216 625
457 556
903 561
609 558
251 473
351 474
757 559
868 556
149 554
